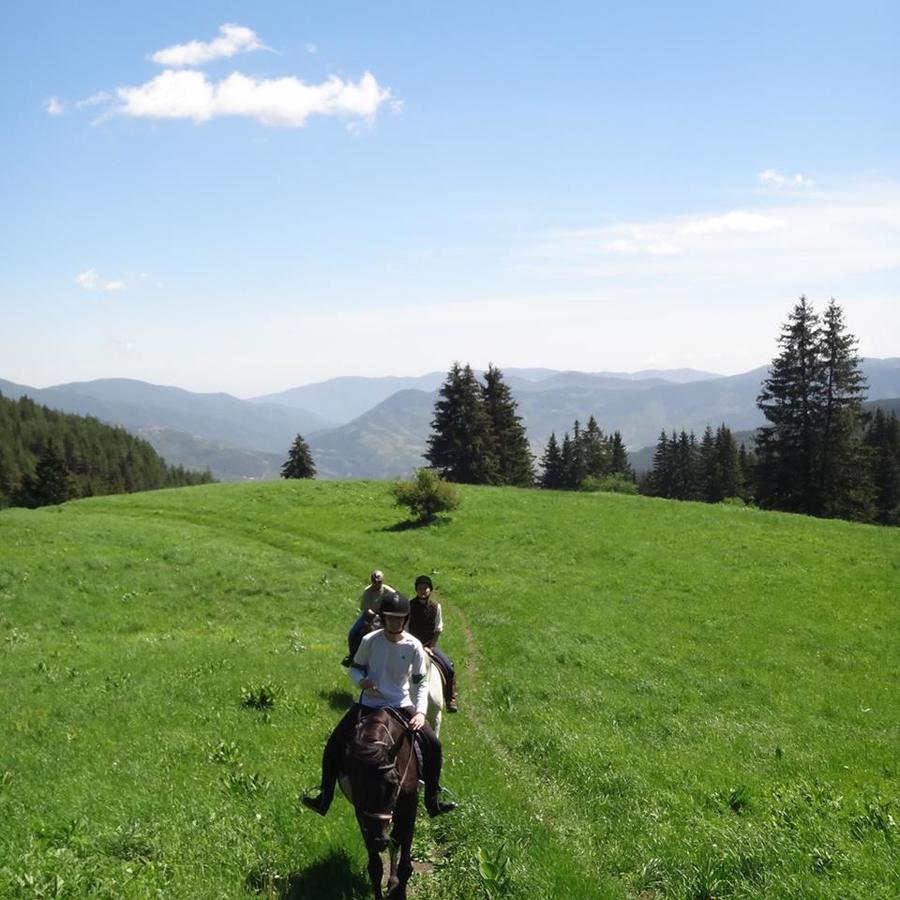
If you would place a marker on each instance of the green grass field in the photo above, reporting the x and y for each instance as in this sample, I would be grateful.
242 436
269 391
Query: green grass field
660 700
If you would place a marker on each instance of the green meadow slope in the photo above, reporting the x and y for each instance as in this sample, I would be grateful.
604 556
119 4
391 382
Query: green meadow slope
660 700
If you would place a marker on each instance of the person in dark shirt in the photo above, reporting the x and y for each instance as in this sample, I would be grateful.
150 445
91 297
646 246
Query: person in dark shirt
426 623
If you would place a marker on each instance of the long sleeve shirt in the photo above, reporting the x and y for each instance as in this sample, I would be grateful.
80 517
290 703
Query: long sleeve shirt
371 596
397 668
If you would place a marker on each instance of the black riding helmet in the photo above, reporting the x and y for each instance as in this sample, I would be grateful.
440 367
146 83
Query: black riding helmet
394 605
424 579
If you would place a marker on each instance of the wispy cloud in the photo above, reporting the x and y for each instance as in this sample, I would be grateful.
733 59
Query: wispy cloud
54 107
772 178
94 100
856 231
275 102
233 39
91 281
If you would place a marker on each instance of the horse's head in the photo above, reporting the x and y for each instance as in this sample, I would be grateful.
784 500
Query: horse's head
374 776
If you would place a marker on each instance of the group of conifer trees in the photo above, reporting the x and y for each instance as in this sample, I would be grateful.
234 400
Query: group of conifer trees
587 457
477 437
48 457
709 470
820 454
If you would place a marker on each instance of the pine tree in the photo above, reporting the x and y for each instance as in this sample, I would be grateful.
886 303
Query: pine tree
551 465
661 471
575 467
595 451
811 459
844 486
684 468
617 462
883 441
788 449
728 465
52 482
462 446
514 461
299 463
707 473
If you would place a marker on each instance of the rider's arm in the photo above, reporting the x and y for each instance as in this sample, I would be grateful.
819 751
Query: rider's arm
438 624
359 668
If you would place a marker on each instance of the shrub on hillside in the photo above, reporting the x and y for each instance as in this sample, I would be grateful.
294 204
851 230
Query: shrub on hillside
609 484
426 495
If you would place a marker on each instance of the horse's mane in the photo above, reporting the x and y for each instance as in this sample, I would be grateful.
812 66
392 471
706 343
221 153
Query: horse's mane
368 745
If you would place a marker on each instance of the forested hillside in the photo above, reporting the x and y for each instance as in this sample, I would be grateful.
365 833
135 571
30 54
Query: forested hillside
50 457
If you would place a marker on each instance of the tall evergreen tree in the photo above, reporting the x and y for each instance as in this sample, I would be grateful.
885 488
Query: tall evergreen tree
883 441
844 487
515 464
617 457
552 465
685 482
462 446
708 476
660 479
728 465
51 483
788 449
575 467
811 458
595 451
299 463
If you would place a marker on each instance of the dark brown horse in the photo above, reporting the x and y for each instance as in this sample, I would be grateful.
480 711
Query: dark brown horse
383 774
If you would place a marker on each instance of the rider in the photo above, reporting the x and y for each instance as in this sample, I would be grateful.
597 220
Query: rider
426 623
389 668
369 606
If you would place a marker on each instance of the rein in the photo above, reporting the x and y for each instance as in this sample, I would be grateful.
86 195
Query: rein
388 816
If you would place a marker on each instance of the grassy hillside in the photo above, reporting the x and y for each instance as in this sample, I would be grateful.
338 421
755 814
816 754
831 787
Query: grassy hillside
660 700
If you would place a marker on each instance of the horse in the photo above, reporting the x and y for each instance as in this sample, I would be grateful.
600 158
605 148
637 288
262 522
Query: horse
383 782
435 680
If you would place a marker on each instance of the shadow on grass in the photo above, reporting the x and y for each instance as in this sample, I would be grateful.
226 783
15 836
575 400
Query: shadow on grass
412 524
331 878
338 700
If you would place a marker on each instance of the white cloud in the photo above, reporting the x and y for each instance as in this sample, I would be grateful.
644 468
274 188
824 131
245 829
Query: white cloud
772 178
825 238
311 48
735 221
281 101
54 107
91 281
233 39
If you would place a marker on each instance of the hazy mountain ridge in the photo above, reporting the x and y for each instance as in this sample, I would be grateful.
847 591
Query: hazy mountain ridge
240 439
347 397
136 405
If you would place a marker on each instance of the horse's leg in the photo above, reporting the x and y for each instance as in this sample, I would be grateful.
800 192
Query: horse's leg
376 870
401 840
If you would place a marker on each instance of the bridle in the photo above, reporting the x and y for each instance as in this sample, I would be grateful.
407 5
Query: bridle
389 816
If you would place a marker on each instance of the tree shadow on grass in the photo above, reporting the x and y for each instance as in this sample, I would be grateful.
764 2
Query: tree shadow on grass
412 524
331 878
337 700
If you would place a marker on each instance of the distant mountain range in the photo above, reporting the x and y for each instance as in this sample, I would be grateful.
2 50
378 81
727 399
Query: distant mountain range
378 427
345 398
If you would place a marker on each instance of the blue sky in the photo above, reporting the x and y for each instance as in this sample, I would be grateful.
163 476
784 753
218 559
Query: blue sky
248 197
